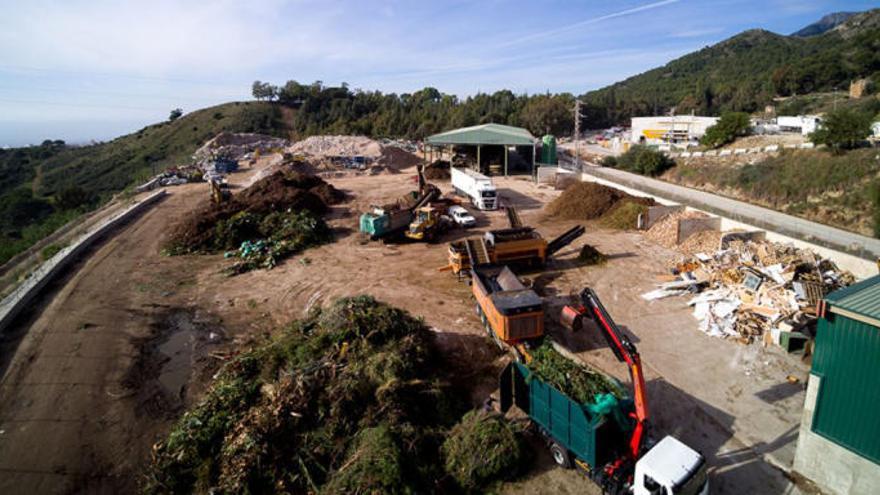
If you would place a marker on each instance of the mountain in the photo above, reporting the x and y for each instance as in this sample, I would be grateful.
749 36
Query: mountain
745 72
42 187
824 24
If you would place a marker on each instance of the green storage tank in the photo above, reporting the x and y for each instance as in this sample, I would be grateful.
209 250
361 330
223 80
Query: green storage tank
548 149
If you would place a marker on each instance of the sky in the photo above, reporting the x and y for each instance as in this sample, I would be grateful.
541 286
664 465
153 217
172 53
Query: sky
93 70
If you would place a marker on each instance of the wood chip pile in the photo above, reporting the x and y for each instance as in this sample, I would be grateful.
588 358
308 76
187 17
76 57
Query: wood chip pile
750 289
665 232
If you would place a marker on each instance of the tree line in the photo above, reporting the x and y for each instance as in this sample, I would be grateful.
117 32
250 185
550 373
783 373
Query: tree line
340 110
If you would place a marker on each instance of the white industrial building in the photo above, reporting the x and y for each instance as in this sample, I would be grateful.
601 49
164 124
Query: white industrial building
804 124
672 129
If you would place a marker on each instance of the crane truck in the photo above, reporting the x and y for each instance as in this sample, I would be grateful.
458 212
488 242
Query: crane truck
388 221
607 440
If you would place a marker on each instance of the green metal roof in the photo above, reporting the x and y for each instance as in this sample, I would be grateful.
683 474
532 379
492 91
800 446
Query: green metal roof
862 298
484 134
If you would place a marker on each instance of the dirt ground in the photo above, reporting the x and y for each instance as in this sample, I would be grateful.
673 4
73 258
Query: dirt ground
96 376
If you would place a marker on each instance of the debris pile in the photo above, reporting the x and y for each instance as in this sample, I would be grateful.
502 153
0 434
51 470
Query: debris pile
438 170
579 382
591 256
707 241
665 231
752 289
354 152
274 218
590 200
236 147
352 399
624 216
481 448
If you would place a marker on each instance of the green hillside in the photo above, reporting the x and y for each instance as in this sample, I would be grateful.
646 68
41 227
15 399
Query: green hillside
745 72
42 187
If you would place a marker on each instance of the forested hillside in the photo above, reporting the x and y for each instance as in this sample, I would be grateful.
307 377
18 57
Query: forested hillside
746 72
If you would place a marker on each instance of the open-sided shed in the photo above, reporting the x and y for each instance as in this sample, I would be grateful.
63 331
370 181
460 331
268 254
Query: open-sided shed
485 135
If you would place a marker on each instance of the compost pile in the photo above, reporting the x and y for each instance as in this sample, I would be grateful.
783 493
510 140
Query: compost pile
276 217
746 290
590 200
351 399
624 216
438 170
575 380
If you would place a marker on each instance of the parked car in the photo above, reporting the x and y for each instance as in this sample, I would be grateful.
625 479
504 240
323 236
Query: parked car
461 216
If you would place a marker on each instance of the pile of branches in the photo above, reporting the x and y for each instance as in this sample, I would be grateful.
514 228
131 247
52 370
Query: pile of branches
278 216
351 399
575 380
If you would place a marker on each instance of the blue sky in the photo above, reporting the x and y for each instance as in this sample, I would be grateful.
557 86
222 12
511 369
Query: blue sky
81 70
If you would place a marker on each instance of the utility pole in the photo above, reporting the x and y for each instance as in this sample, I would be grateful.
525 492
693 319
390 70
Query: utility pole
577 133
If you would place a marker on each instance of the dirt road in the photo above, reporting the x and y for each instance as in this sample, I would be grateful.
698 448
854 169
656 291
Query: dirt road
96 376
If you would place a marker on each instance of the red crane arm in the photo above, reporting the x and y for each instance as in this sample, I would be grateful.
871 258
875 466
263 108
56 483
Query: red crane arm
625 351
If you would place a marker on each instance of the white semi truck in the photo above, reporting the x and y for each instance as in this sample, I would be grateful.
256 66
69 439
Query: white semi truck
475 186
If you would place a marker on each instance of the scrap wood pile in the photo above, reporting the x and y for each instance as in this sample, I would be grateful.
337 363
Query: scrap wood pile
575 380
276 217
352 399
590 201
665 231
749 289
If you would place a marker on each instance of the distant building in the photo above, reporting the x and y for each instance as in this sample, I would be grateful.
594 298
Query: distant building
675 129
839 440
803 124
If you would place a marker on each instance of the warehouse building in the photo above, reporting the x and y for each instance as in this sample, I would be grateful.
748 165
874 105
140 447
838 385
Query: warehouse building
682 130
839 441
495 146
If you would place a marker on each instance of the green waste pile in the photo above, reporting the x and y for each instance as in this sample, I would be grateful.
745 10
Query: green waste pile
351 399
577 381
481 448
624 216
278 216
591 256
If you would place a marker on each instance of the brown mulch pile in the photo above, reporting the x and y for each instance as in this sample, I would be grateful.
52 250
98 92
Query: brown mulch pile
280 191
589 200
438 170
707 241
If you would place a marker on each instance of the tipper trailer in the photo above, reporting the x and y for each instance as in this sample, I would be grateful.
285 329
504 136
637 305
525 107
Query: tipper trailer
607 438
511 313
476 186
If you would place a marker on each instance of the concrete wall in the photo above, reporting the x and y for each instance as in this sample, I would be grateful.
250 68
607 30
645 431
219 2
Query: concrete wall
690 226
832 467
860 267
656 213
12 305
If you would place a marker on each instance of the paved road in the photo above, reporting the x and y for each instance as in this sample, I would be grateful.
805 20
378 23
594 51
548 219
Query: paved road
816 233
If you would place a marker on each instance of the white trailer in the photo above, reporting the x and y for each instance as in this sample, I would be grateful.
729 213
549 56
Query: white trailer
475 186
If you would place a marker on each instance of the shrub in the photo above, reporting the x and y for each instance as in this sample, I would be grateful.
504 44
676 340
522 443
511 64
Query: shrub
728 127
843 129
644 160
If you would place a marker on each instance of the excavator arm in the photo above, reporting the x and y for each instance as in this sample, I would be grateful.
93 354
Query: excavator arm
623 349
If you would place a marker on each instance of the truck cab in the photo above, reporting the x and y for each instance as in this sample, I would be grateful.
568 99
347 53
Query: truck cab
488 197
670 468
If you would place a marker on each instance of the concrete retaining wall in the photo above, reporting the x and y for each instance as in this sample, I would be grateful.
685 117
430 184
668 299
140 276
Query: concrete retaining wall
656 213
832 467
690 226
860 267
13 304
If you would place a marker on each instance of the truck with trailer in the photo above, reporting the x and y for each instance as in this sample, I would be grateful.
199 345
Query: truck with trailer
476 186
607 438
